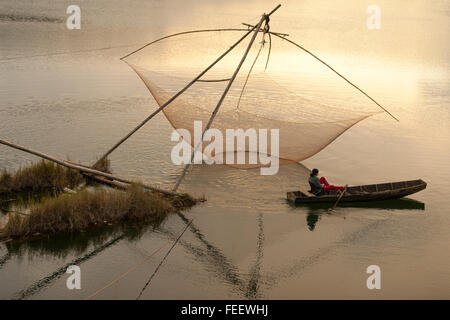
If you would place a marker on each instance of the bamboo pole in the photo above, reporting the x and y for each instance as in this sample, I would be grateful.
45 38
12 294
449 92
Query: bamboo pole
130 45
262 30
270 50
172 98
80 168
162 261
340 75
214 113
249 72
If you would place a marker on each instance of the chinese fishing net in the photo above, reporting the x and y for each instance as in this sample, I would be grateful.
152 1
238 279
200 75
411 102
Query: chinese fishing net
287 89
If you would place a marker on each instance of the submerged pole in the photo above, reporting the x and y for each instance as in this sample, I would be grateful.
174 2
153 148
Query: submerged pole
172 98
214 113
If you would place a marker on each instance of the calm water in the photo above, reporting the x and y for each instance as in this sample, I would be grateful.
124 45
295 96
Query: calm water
246 241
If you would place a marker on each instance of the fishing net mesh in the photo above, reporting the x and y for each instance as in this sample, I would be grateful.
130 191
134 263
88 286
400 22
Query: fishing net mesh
306 102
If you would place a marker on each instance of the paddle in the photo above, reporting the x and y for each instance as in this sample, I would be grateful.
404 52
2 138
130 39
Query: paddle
340 196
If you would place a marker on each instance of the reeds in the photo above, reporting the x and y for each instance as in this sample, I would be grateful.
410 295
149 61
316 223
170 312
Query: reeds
71 213
43 176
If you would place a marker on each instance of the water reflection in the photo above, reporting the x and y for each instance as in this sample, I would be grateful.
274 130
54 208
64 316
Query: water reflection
255 271
315 210
311 220
211 256
219 264
51 278
100 239
61 246
396 204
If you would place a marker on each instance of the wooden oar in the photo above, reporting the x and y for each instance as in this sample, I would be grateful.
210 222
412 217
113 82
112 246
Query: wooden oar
264 18
337 201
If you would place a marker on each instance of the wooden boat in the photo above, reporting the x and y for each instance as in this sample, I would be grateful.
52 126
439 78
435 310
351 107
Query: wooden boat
371 192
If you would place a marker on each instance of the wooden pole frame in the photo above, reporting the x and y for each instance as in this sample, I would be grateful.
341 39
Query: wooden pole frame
122 183
281 36
214 113
173 97
81 168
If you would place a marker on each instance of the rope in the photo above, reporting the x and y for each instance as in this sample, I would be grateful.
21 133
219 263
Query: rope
203 30
249 72
272 32
182 33
266 29
218 80
125 273
115 281
45 282
174 96
340 75
270 50
128 45
214 113
162 261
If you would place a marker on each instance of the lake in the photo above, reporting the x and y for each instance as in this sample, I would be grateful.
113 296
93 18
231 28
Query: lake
66 93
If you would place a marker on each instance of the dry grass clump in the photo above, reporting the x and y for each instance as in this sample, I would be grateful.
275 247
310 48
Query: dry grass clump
71 213
42 176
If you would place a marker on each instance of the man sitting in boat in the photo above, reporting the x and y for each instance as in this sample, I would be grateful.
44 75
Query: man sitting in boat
316 183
